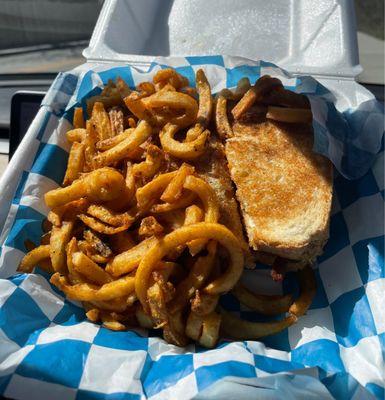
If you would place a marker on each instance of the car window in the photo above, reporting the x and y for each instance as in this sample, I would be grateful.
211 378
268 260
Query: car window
45 35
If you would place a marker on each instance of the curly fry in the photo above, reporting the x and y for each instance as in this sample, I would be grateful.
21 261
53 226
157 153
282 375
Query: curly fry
205 99
221 120
183 235
33 258
88 292
174 189
122 150
175 101
109 217
263 85
184 150
100 227
170 76
246 330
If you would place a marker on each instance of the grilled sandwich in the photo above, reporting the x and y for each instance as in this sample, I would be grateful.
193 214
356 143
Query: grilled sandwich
284 189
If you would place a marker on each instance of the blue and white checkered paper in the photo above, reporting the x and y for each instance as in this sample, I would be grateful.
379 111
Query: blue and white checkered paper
49 350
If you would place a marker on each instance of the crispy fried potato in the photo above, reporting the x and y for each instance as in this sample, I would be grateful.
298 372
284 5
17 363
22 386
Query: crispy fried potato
131 122
243 86
148 168
184 150
170 76
124 148
221 120
78 120
149 226
127 196
286 98
147 195
108 101
174 189
181 102
134 102
308 289
246 330
264 304
185 200
227 94
193 214
97 244
205 99
203 303
122 87
109 143
116 121
162 87
75 163
33 258
207 196
193 133
210 203
111 323
196 278
110 217
101 185
90 270
89 292
76 135
90 252
60 236
263 85
101 227
157 306
67 212
119 304
129 260
183 235
108 89
146 88
101 121
93 315
73 276
89 142
290 115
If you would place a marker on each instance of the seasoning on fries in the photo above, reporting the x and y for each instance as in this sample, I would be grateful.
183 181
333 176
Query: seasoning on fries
136 231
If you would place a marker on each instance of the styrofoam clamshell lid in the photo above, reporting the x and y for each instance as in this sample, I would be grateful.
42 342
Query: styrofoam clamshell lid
307 37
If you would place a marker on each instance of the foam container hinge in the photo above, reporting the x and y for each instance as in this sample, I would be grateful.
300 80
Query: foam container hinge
304 37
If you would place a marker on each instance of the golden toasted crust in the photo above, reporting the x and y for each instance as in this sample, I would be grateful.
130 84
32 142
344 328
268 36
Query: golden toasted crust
212 167
283 187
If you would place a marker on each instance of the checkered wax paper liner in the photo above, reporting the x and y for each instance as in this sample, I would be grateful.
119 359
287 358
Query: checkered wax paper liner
49 350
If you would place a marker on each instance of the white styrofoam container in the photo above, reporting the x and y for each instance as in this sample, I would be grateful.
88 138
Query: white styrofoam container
304 37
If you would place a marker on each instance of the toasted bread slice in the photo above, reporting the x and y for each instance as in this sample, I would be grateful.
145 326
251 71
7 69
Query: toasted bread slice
212 167
283 187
